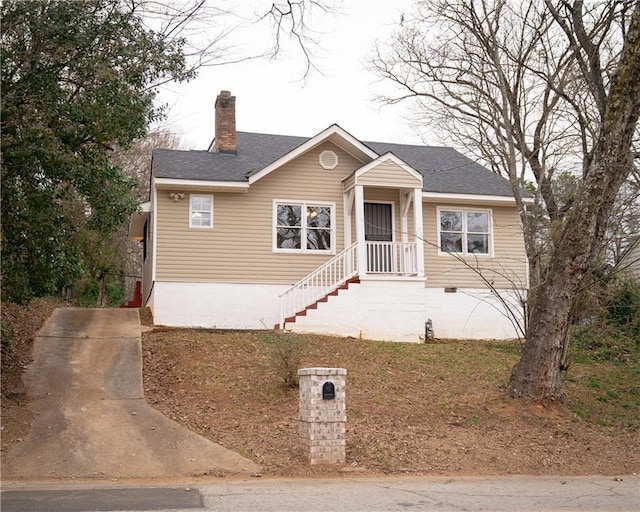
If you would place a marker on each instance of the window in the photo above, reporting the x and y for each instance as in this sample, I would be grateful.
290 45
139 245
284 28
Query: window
465 231
305 227
200 211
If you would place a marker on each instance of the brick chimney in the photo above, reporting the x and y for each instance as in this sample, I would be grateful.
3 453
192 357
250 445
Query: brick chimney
225 137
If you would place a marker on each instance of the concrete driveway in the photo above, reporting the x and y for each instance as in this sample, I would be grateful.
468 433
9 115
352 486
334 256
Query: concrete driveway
90 416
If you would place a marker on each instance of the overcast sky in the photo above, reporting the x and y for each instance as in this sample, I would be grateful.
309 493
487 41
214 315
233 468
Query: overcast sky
271 98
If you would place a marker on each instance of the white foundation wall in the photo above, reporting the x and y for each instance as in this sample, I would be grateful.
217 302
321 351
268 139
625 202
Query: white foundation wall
472 313
398 311
373 309
216 305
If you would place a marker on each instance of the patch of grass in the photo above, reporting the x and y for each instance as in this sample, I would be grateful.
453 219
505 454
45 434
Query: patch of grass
593 382
604 375
512 347
605 393
612 393
613 338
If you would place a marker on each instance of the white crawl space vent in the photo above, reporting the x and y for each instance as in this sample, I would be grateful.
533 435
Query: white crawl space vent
328 159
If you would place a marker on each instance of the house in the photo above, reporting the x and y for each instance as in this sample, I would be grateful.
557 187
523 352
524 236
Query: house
329 234
630 261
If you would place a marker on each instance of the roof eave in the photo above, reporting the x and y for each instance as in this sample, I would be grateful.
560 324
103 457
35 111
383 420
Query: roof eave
209 185
497 200
137 222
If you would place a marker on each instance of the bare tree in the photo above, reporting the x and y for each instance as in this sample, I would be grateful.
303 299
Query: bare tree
533 89
494 76
136 159
203 28
624 226
136 162
537 375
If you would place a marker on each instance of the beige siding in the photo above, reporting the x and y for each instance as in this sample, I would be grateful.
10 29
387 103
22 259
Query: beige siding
506 269
388 174
239 247
349 182
631 261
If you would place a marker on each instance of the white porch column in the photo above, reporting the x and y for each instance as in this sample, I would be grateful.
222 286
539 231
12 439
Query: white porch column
362 248
348 213
418 224
405 203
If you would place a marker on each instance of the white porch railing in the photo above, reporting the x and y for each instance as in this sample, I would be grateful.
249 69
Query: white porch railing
398 258
325 279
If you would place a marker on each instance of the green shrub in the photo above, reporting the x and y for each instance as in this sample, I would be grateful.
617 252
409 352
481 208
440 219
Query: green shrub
87 291
613 334
604 341
624 306
114 290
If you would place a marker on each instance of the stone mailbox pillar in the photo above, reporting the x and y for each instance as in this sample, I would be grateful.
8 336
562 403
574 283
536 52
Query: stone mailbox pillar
323 414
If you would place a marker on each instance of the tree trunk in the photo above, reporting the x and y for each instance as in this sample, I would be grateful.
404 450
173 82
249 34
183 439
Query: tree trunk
537 374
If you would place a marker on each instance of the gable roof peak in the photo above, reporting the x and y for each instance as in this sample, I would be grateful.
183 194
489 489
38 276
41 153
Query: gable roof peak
335 134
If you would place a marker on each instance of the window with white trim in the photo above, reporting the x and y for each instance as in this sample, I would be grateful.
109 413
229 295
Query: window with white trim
465 231
304 227
200 211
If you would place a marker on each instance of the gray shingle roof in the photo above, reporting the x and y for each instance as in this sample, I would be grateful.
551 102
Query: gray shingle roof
445 170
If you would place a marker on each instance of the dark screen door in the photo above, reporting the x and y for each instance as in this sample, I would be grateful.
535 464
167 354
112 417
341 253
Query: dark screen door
377 222
378 227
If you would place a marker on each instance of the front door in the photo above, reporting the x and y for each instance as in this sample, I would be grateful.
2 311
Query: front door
378 232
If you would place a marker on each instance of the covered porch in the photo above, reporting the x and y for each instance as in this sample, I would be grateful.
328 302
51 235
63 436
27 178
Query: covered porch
383 236
383 218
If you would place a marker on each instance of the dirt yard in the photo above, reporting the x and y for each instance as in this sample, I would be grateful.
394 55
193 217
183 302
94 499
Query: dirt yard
428 409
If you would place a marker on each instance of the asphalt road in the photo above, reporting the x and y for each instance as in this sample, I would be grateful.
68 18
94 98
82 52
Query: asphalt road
496 494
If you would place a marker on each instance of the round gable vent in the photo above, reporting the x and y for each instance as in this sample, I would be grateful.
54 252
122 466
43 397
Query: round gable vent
328 159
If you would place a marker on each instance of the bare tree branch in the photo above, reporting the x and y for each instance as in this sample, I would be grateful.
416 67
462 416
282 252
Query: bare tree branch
526 88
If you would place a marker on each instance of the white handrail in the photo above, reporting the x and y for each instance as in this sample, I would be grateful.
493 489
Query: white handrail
325 279
396 258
